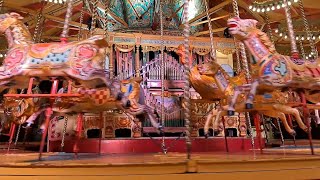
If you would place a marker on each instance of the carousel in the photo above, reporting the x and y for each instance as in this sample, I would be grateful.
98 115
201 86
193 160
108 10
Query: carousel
97 89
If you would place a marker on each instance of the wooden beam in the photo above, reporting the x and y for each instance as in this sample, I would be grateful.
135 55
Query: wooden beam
47 16
55 30
212 10
207 32
114 16
245 6
212 19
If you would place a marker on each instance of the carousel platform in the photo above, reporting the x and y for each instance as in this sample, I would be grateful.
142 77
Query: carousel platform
154 145
245 165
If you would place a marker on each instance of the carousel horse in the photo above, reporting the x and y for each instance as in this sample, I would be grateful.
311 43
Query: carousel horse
98 100
201 83
212 83
272 105
21 109
272 70
81 61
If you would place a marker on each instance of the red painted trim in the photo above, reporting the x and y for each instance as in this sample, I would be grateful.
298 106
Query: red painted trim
125 146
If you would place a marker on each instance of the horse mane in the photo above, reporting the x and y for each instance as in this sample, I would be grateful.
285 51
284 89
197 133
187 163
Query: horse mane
26 35
265 40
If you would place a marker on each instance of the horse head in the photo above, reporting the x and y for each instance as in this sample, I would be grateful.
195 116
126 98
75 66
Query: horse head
6 20
209 68
240 28
131 91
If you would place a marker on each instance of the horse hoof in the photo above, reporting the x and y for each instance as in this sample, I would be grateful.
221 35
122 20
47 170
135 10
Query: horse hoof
230 113
293 133
206 135
249 106
306 129
128 104
160 129
119 96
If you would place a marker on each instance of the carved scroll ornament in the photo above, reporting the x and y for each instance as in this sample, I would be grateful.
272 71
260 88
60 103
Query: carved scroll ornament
125 48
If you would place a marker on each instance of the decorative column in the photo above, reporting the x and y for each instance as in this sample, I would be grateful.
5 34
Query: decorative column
137 61
144 58
294 49
111 60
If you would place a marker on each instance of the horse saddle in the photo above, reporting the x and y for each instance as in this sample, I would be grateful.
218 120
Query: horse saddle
42 50
306 66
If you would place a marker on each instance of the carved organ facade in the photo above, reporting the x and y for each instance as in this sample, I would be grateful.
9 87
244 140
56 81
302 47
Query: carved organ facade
136 54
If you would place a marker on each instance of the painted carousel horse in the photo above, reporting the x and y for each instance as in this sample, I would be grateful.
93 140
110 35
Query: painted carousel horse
80 61
206 86
272 105
212 83
21 109
272 70
99 100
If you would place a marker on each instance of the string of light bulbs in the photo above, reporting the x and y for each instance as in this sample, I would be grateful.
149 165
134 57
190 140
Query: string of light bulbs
298 37
269 6
56 1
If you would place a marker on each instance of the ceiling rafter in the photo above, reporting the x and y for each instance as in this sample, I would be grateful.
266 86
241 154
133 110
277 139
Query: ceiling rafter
207 32
47 16
54 31
245 6
210 11
114 16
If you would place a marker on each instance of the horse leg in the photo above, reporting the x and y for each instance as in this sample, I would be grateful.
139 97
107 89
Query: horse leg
220 114
316 112
231 108
252 93
294 112
210 118
207 124
282 117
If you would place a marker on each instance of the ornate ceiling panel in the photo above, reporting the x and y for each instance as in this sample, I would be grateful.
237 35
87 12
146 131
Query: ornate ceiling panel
143 14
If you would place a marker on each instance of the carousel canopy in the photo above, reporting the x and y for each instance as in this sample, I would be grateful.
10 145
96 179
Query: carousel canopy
143 16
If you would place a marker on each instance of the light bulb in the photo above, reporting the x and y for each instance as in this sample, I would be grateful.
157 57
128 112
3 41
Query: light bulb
263 10
250 7
313 37
285 36
295 1
278 6
273 8
280 34
307 57
319 36
276 31
258 10
302 38
308 38
297 38
1 55
283 5
289 3
268 9
310 55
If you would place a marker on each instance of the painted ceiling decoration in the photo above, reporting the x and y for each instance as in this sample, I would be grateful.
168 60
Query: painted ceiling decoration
145 14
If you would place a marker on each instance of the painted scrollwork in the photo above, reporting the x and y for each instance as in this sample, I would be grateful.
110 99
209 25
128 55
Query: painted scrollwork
150 48
125 48
202 51
226 51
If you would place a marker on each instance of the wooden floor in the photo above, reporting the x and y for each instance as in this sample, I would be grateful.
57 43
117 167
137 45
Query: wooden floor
277 163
